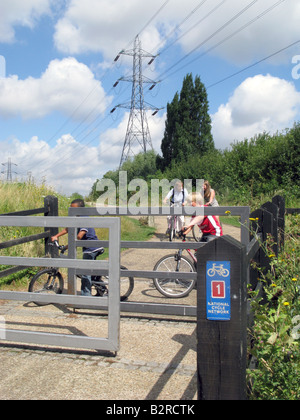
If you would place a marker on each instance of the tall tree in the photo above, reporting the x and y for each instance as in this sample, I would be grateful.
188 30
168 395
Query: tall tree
188 124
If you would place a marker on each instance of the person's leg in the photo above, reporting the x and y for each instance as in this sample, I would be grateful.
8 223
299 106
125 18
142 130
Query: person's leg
207 238
86 281
180 223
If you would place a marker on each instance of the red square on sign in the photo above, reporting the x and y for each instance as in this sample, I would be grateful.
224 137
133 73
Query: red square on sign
218 289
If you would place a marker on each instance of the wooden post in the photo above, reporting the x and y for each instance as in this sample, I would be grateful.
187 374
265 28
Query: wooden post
273 209
51 209
222 344
265 226
280 203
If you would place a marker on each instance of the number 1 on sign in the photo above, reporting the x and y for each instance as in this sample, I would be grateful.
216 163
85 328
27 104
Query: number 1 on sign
218 289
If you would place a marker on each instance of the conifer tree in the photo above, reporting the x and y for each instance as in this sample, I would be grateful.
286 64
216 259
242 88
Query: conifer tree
188 124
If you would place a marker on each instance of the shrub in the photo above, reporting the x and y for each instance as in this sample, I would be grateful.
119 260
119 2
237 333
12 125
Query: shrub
275 336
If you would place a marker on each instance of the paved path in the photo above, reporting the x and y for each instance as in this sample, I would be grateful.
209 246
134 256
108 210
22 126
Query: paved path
156 361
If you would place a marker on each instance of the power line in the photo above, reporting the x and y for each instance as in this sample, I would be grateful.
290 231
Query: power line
194 26
229 36
145 26
254 64
107 71
92 130
236 16
179 25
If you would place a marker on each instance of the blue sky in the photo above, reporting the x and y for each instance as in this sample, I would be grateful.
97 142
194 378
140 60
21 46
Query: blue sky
56 87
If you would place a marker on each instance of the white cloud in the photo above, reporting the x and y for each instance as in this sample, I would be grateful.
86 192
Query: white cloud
70 166
245 36
20 13
260 103
106 25
63 85
103 25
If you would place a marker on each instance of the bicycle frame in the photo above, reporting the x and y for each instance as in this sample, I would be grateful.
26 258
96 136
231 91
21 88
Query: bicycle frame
173 224
96 280
176 287
180 251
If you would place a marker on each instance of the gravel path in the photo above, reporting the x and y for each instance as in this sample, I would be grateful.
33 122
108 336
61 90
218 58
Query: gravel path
156 361
142 259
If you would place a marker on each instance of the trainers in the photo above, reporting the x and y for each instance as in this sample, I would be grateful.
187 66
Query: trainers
101 291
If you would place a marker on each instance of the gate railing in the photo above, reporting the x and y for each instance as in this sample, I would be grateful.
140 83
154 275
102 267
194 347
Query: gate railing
50 209
111 343
149 307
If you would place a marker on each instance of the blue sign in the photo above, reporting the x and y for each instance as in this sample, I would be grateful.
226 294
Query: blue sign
218 302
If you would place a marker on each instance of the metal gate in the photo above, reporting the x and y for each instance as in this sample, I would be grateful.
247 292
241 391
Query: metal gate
110 343
158 308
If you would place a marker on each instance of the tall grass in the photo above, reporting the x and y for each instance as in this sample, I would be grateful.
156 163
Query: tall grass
17 197
26 196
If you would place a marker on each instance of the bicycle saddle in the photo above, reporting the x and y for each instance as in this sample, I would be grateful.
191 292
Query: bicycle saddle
99 251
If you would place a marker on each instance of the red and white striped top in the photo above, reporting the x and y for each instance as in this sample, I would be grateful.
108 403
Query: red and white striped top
210 226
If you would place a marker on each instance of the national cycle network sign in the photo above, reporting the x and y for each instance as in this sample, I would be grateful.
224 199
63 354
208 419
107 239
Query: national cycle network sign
218 301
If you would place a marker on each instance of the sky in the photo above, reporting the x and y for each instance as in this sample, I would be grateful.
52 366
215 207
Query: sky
58 69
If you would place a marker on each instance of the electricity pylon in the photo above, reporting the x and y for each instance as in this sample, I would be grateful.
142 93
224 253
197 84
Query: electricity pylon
9 170
138 136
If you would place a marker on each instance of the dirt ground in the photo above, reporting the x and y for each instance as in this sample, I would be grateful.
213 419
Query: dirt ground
156 360
145 259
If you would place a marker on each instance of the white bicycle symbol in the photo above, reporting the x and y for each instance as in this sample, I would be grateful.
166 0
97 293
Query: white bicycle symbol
218 269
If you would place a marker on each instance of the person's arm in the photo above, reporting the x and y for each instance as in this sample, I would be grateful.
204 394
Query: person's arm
81 234
195 221
212 196
168 196
55 237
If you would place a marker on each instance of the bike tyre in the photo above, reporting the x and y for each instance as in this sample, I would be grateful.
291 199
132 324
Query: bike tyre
168 263
172 230
196 230
127 289
38 276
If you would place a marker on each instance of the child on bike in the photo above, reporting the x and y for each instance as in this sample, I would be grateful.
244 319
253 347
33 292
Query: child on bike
209 225
177 197
89 253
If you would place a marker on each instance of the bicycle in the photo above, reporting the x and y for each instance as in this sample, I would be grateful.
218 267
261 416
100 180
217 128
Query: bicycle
50 280
176 288
173 224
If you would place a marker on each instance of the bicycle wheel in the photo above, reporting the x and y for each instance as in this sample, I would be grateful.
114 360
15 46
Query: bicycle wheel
126 286
46 281
172 230
197 234
174 288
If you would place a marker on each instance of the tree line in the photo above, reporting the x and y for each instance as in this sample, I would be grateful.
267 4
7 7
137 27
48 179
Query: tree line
262 165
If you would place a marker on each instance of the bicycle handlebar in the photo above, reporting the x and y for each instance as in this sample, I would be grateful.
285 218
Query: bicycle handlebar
182 235
62 248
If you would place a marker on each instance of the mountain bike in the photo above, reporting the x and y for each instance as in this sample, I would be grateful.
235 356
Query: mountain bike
176 288
173 222
50 280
